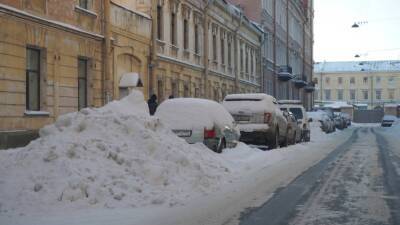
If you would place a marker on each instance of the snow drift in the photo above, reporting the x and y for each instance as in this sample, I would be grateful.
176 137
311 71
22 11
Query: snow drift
110 157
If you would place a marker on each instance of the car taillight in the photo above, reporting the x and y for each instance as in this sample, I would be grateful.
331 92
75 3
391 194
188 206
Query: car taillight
267 117
209 133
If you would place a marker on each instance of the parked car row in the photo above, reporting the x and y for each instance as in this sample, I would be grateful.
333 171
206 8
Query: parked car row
329 120
250 118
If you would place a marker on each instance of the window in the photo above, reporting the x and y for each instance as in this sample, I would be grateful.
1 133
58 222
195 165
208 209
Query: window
84 4
365 80
340 80
327 94
214 47
241 59
251 63
327 80
391 94
247 60
352 80
185 34
378 80
378 94
33 79
196 39
173 28
222 49
353 94
365 94
340 94
186 90
229 53
174 89
159 22
82 83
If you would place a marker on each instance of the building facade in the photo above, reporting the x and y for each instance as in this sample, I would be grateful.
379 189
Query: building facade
371 83
198 48
287 46
60 56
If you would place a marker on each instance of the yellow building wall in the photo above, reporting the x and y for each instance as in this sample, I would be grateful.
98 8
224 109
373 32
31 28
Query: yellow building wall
59 86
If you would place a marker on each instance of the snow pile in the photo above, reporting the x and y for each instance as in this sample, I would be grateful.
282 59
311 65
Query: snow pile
111 157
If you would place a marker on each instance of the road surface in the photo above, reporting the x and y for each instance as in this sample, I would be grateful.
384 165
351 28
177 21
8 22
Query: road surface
357 183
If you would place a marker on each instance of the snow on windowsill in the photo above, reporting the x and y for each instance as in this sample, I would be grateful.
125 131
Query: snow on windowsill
86 11
36 113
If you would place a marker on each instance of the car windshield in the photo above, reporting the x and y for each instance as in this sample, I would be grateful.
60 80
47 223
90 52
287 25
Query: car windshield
298 113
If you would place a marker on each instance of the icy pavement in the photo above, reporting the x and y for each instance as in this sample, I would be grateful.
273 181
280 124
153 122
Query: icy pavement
358 183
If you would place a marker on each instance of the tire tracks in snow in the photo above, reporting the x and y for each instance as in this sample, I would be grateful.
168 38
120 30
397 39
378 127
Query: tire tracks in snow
356 183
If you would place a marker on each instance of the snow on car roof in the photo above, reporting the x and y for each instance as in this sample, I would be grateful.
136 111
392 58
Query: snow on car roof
188 113
249 96
389 117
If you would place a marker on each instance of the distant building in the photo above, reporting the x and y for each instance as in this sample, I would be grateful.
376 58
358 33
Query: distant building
371 83
287 49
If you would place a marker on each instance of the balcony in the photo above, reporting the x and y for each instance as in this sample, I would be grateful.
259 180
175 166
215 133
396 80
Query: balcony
285 73
310 87
300 81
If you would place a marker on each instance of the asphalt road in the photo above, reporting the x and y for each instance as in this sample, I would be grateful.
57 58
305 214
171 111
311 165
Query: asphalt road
357 183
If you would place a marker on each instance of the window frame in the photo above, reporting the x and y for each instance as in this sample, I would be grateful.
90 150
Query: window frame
85 78
39 75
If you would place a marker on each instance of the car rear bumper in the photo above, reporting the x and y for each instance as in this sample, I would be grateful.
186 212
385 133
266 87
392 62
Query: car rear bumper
253 127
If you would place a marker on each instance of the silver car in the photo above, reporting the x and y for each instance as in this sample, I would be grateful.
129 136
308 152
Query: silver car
259 118
200 120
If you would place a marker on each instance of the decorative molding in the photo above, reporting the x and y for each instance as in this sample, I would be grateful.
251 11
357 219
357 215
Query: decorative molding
186 11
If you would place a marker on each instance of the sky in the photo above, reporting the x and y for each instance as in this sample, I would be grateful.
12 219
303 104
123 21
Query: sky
378 39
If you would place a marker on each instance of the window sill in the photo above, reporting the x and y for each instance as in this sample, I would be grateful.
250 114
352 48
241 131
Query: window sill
85 11
160 42
36 113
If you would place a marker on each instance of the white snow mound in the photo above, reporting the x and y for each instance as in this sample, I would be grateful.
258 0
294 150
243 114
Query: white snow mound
114 156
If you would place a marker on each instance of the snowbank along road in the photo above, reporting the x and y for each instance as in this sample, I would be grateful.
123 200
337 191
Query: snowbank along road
357 183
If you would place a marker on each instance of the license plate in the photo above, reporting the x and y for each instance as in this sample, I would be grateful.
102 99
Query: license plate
241 118
183 133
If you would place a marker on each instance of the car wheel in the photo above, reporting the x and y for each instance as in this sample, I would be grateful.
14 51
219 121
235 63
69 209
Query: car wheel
275 141
221 145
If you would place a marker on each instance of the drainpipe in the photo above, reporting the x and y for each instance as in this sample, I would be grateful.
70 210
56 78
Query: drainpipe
206 46
236 51
275 80
107 88
153 52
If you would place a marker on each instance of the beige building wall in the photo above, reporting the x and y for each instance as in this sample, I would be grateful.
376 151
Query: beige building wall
63 32
60 46
184 70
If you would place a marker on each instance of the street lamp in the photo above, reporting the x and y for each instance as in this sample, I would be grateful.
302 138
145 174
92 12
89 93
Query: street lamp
357 24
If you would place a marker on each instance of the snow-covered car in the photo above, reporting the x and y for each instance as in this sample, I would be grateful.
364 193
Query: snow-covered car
347 117
388 120
258 117
325 122
293 128
200 120
296 107
340 121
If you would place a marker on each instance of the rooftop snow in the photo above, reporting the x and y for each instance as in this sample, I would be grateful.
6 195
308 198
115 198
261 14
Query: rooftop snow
357 66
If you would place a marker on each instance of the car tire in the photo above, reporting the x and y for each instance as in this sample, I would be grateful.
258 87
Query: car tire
274 143
221 145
